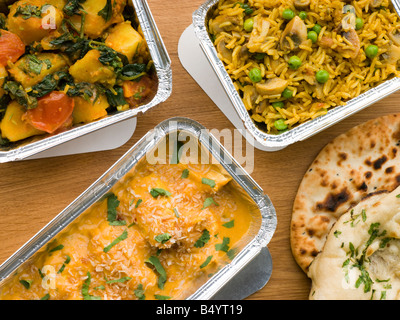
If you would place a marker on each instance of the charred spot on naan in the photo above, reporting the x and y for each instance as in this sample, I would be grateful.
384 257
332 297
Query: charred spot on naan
358 163
333 201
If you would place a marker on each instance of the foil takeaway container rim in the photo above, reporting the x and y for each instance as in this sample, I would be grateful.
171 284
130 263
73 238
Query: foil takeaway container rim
162 63
266 226
302 131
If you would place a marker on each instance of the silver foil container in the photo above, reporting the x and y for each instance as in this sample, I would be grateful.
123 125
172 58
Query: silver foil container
262 210
301 132
162 65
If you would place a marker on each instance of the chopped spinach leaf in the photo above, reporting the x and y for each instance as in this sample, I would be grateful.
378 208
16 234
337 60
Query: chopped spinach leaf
106 12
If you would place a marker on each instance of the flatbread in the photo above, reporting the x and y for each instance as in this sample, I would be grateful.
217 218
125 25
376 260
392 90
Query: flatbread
355 165
360 259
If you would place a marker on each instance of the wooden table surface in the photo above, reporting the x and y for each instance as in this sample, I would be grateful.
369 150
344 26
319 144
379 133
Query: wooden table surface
33 192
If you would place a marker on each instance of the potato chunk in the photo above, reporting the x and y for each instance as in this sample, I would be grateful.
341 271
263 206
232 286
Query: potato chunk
31 69
124 39
32 20
90 69
95 24
87 111
14 127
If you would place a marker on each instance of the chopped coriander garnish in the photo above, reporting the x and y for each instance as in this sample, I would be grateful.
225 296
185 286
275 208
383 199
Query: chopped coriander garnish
100 287
398 196
208 202
138 203
139 292
45 297
364 215
203 239
206 262
162 238
162 275
337 233
224 246
229 224
26 283
67 260
155 192
124 279
112 205
85 289
176 212
59 247
209 182
185 174
161 297
231 253
123 236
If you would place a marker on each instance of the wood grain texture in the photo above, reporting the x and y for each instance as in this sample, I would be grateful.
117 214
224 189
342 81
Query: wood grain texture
33 192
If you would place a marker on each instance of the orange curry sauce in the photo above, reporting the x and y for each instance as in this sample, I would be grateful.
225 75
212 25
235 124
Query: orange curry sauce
159 234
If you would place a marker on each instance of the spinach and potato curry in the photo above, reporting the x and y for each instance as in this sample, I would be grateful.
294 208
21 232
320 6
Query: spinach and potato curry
65 63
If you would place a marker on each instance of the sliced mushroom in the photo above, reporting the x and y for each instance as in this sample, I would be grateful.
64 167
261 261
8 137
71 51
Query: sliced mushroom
223 51
348 8
272 86
394 35
244 53
225 23
301 4
258 34
392 55
349 22
376 3
326 42
353 38
296 30
249 96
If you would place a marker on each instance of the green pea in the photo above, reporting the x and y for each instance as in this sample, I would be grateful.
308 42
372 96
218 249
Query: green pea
287 93
371 51
295 62
303 15
288 14
322 76
248 24
317 28
359 23
280 124
278 104
255 75
313 36
259 56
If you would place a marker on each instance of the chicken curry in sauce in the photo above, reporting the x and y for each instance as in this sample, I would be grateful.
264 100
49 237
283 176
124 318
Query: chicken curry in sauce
159 233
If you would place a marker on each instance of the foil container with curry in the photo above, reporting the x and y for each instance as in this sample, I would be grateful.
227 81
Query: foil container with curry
179 219
77 37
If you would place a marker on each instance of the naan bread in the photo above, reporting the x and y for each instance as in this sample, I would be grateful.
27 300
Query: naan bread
355 165
361 257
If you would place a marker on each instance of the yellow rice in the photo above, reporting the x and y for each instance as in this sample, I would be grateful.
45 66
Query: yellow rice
348 77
